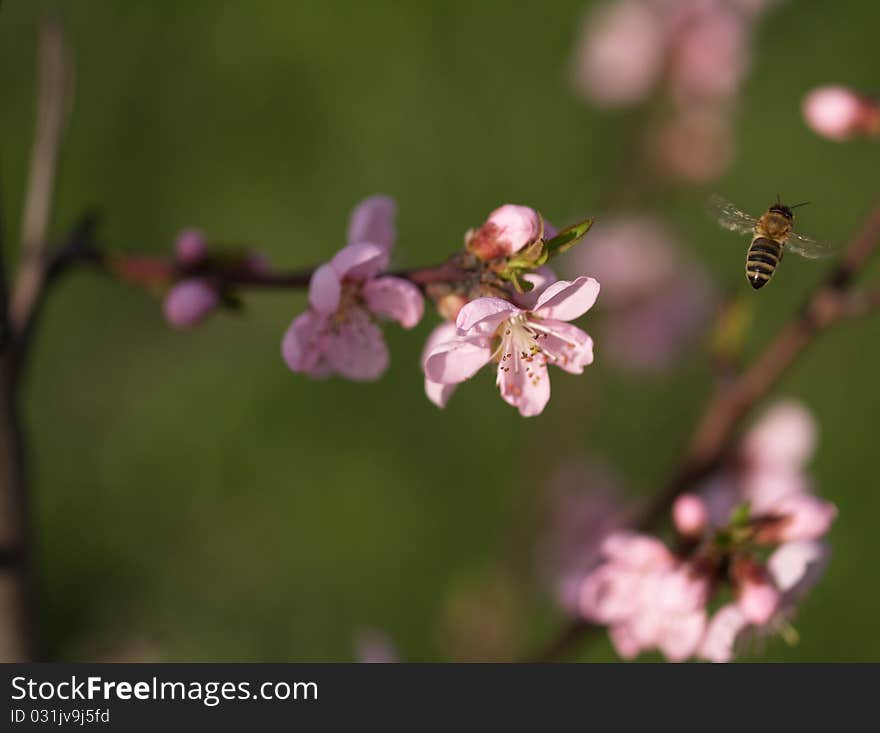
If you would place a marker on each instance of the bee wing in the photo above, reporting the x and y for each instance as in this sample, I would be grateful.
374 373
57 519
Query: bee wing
812 249
731 217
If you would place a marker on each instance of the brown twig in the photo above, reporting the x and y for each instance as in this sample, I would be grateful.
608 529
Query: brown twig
714 435
53 103
18 626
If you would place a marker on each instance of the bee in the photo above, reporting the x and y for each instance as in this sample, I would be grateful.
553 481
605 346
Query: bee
771 234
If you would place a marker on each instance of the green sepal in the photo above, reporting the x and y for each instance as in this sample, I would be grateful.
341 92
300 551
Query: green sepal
567 238
740 515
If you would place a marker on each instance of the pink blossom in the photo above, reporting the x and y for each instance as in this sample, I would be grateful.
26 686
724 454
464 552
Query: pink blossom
839 113
690 515
784 438
647 597
654 299
620 55
711 57
190 302
757 597
794 569
508 229
726 625
339 332
190 246
522 341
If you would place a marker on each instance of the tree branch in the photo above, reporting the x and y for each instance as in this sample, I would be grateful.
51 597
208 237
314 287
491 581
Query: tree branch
53 103
18 624
714 435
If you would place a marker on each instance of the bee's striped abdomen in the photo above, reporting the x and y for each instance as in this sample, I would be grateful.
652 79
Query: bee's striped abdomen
761 261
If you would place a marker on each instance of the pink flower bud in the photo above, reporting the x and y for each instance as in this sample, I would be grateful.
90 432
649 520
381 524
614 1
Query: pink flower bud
757 598
507 230
838 113
689 513
190 247
189 302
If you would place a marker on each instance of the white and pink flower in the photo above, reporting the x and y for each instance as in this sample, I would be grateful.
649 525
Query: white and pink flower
339 333
647 597
522 341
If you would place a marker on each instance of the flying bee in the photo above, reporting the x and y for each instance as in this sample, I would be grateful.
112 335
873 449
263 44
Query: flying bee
771 234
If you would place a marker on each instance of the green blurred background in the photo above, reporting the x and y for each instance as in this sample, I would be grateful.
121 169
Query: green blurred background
194 500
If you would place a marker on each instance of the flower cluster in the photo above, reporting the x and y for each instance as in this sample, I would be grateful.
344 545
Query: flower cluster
653 597
504 307
696 52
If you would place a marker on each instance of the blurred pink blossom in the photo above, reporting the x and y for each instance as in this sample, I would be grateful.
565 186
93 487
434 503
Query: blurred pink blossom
375 647
190 246
339 332
757 597
530 339
697 48
690 516
654 299
190 302
619 57
794 569
694 52
771 467
710 54
839 113
648 598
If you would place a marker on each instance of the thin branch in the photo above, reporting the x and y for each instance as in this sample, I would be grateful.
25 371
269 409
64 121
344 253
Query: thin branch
714 436
53 104
18 623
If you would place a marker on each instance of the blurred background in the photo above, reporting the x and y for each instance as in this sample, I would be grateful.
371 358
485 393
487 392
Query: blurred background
194 500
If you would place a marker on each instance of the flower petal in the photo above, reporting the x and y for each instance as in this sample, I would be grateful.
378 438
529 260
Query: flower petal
373 221
360 261
525 385
303 344
356 349
565 301
796 566
485 314
325 289
565 345
682 635
438 393
395 298
457 360
718 642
